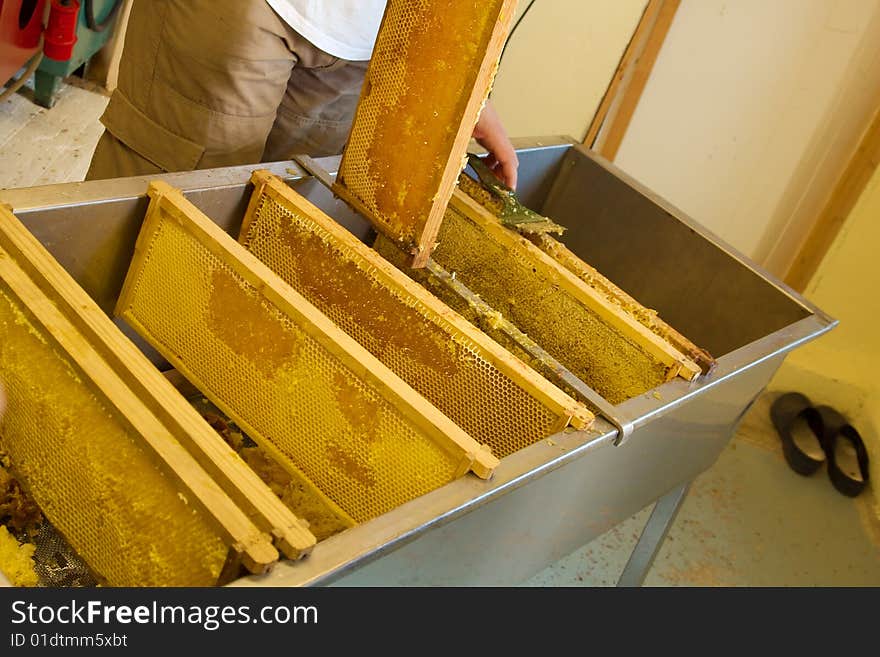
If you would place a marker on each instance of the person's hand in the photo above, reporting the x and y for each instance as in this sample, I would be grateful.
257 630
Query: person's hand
490 134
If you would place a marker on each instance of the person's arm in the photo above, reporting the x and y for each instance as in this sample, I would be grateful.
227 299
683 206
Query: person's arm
490 134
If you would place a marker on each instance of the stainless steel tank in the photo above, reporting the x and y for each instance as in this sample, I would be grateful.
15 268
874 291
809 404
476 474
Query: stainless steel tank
548 499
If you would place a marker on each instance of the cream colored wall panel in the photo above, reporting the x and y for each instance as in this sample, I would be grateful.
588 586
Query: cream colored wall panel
730 123
559 62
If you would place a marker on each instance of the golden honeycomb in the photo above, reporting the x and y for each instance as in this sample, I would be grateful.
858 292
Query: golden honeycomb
267 360
408 332
593 278
430 72
89 472
645 316
295 491
17 560
511 283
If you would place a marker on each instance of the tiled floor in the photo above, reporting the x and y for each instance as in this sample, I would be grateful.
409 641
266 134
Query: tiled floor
747 521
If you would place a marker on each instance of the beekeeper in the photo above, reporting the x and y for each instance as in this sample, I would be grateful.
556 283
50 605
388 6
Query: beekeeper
213 83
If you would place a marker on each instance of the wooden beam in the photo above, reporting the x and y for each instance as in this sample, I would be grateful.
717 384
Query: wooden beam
616 110
843 199
623 72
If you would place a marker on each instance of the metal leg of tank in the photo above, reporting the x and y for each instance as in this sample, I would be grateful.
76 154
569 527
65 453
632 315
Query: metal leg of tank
643 554
46 87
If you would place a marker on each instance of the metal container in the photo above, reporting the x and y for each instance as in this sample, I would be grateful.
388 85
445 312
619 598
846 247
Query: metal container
548 499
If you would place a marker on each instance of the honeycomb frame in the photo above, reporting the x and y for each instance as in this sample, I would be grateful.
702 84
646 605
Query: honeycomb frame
575 324
477 383
173 525
593 278
289 534
312 397
644 316
677 363
429 77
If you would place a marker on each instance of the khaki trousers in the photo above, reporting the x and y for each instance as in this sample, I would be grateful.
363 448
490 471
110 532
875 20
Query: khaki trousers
212 83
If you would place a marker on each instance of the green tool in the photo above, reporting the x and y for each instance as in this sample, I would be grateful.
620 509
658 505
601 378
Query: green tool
506 206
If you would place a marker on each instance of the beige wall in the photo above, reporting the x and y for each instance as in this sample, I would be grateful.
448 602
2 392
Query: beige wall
841 367
751 112
559 63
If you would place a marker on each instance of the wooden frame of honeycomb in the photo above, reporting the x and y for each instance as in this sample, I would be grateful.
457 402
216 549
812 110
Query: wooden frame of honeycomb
245 338
577 324
677 363
143 417
428 79
644 316
481 386
594 279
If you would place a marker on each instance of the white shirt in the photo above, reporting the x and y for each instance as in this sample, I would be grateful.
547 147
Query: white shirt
344 28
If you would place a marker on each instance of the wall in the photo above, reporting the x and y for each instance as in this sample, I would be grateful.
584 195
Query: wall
751 112
559 62
841 367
